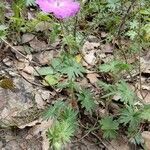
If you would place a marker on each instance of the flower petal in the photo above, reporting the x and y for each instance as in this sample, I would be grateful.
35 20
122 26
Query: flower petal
60 8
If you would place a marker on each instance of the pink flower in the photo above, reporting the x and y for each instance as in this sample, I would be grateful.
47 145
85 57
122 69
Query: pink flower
61 9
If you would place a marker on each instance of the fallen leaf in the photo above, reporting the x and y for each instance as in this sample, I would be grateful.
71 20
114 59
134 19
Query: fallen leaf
104 34
90 58
146 95
27 37
50 80
27 76
38 45
42 26
45 57
107 48
119 144
145 65
88 46
93 77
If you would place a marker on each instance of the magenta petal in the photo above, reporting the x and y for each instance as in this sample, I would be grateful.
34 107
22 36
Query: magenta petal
44 5
60 8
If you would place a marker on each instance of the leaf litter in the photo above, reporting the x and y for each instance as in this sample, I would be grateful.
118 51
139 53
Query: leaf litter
21 106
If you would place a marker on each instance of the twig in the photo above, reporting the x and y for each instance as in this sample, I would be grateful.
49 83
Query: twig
90 130
139 55
21 54
105 144
118 38
124 18
75 27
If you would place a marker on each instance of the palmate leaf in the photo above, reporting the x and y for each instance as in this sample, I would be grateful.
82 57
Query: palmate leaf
122 89
60 133
134 136
132 34
86 99
130 116
69 115
127 95
54 111
64 126
110 89
69 66
109 127
145 113
72 68
70 85
114 67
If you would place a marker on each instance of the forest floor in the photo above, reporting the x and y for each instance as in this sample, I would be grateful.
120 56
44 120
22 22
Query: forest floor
23 96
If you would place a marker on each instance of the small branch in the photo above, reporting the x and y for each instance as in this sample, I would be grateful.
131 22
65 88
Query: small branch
21 54
124 18
118 38
75 27
139 55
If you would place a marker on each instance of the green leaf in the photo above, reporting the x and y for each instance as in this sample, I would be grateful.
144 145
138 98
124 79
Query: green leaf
71 42
30 2
114 67
107 87
145 114
127 95
132 34
69 115
57 64
3 27
86 99
72 68
3 31
145 11
134 24
109 127
134 135
130 116
50 80
64 126
56 30
44 71
121 89
70 85
54 111
60 133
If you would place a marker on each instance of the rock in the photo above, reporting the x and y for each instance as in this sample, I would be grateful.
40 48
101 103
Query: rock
146 137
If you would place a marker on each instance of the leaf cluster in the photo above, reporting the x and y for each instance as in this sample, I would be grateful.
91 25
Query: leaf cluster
87 100
3 31
114 67
121 89
109 126
64 125
66 65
